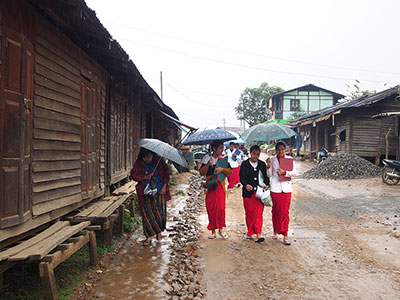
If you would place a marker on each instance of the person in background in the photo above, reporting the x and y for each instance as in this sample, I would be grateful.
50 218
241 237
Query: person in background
254 208
153 209
281 192
240 159
215 199
233 179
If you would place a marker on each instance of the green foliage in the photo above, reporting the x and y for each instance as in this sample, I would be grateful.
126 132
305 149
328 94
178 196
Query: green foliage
354 91
173 180
129 221
297 114
180 193
253 103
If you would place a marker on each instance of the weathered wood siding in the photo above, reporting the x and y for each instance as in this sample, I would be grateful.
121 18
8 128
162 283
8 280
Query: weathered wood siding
68 127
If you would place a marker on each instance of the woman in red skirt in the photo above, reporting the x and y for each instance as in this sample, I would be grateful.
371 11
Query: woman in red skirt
281 191
254 208
215 199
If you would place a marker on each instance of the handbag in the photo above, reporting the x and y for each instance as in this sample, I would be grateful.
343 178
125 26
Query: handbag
151 187
212 183
264 196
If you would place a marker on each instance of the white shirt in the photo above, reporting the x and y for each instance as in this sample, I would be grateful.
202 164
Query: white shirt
233 163
253 164
276 185
206 159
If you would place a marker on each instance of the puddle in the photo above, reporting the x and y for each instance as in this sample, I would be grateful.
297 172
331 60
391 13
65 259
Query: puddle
138 272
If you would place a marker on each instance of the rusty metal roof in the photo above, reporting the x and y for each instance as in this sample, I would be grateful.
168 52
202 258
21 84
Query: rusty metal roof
363 101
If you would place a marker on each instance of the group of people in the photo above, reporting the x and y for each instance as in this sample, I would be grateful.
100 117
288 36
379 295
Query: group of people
252 174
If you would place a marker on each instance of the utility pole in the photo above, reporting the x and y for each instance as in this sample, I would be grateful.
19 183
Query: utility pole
223 120
161 85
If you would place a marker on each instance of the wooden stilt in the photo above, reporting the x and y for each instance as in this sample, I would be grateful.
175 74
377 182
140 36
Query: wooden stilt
92 248
48 280
121 218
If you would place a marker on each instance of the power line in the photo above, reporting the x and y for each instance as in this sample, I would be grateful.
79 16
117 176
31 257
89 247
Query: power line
195 101
251 53
254 67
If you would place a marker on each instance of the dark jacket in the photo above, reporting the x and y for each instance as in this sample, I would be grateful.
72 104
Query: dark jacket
138 172
249 175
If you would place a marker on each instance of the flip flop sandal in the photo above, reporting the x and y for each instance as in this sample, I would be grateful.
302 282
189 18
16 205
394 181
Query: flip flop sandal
223 236
287 243
274 237
250 238
144 243
212 236
260 240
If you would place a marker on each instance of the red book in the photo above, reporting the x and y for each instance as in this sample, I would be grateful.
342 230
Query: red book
287 165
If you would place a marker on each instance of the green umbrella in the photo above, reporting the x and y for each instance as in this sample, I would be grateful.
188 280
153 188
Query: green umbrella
278 121
267 132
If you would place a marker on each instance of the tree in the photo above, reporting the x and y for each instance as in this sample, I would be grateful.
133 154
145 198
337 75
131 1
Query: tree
253 102
297 114
354 91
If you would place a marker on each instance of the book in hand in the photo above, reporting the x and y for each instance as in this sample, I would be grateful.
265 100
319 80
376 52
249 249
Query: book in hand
223 163
287 165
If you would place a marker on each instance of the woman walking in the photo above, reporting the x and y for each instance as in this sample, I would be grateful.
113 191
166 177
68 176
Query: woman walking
249 178
232 154
281 191
215 199
152 208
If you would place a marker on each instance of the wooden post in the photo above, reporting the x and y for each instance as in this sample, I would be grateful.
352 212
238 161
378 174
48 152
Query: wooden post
387 143
48 280
92 248
121 219
108 232
132 205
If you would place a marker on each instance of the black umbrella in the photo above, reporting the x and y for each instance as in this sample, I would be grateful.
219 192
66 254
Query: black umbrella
163 150
205 137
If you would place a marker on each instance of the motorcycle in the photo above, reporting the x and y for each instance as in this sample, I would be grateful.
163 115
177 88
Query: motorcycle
391 172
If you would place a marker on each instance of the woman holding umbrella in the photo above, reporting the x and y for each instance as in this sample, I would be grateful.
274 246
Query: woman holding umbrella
153 209
281 191
215 198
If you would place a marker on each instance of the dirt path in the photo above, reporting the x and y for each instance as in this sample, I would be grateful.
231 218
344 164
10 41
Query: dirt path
332 256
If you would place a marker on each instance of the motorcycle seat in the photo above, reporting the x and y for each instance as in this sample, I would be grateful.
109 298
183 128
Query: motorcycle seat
392 163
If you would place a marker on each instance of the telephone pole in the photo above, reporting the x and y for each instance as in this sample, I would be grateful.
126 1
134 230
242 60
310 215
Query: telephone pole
161 83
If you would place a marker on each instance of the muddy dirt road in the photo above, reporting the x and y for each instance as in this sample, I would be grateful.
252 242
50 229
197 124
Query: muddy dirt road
345 245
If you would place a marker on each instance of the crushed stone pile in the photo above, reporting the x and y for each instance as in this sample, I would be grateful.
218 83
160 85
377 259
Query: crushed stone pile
343 166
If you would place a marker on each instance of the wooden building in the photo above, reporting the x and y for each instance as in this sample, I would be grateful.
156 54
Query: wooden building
72 105
308 98
348 127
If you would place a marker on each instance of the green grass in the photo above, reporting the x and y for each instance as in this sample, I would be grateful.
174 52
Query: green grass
173 180
130 221
22 282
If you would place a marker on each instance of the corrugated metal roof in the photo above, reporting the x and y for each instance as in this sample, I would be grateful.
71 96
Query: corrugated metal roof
359 102
309 86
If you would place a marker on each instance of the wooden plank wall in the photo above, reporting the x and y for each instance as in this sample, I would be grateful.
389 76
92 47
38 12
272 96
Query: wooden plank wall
59 65
342 123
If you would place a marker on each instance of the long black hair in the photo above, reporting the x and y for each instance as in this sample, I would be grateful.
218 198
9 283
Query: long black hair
143 153
215 144
280 143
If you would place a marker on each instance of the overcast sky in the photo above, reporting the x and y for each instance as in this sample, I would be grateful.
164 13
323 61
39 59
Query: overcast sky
210 51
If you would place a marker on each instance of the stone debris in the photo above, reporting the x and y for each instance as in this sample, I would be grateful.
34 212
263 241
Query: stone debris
343 166
184 269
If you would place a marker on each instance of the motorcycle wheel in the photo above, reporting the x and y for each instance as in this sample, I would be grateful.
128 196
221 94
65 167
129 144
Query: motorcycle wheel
387 179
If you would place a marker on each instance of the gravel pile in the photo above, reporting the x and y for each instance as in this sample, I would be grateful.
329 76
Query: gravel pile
343 166
184 269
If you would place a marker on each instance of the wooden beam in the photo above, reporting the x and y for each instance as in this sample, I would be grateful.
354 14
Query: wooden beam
92 248
48 280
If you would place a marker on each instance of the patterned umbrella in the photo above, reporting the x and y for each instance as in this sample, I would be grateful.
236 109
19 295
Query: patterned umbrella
267 132
164 150
205 137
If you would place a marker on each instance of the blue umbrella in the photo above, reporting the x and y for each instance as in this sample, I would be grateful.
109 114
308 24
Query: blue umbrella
205 137
237 141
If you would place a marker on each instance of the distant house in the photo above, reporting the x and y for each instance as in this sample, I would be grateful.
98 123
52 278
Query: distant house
307 99
348 127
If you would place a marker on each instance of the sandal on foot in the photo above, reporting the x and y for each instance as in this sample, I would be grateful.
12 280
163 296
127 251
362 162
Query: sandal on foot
224 236
249 237
260 240
287 243
159 237
212 236
146 243
274 237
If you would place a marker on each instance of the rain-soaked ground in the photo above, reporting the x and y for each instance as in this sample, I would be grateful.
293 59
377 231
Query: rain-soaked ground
345 245
138 271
